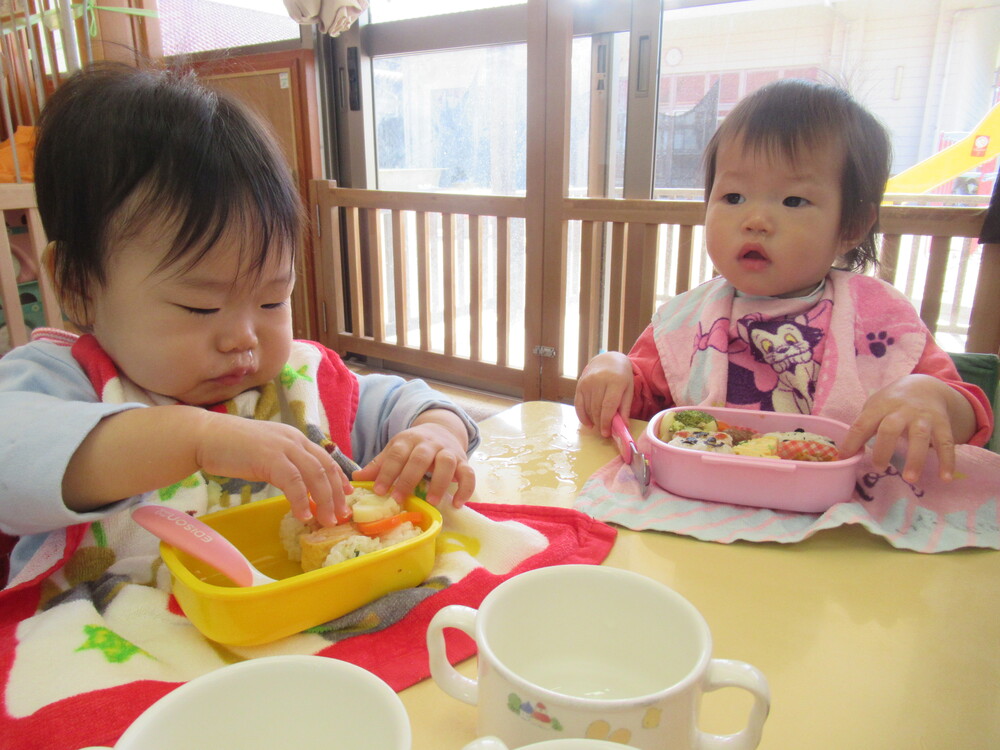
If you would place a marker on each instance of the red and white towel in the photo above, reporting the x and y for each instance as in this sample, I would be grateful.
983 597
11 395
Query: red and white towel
90 635
79 672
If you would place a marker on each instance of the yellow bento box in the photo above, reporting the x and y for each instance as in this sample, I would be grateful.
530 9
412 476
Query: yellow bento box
253 615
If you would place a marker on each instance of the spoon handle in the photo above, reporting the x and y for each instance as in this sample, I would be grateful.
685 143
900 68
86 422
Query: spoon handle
199 540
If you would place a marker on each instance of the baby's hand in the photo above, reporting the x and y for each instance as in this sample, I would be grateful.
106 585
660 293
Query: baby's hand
434 444
604 387
278 454
924 410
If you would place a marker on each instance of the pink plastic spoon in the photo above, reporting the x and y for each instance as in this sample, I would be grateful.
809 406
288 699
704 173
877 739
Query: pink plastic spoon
199 540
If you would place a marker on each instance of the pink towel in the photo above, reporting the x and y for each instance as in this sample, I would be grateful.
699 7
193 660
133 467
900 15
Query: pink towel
934 517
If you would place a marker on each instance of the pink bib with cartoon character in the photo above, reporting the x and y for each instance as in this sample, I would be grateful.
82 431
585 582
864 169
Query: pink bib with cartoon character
823 354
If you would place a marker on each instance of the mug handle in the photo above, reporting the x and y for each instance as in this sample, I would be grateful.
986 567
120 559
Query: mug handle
446 676
728 673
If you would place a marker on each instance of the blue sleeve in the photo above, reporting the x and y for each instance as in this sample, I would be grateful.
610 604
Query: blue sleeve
47 408
388 404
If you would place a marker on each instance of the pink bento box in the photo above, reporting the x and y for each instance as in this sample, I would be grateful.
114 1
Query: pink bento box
780 484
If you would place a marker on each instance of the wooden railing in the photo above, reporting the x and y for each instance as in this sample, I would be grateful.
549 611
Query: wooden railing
423 272
922 247
434 282
17 201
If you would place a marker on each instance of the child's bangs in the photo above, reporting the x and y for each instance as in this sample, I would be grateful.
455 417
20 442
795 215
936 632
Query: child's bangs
785 139
258 220
260 231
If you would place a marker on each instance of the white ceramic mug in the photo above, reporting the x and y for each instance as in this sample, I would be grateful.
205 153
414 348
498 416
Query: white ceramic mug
274 702
592 652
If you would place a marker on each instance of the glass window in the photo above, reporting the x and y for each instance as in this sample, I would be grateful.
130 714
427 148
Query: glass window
456 121
399 10
598 105
925 67
189 26
453 120
581 97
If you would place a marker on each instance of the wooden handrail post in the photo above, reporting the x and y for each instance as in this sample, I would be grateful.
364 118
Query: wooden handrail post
984 322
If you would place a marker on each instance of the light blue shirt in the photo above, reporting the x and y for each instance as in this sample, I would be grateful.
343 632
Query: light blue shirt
48 407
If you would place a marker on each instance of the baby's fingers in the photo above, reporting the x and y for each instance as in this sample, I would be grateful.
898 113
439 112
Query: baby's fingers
314 485
923 435
918 446
451 469
861 431
294 487
580 404
465 475
944 442
887 437
445 466
397 469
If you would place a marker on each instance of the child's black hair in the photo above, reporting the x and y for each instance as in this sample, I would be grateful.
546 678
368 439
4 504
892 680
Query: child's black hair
788 117
118 145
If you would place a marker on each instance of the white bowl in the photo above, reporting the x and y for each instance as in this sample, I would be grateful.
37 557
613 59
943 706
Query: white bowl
275 702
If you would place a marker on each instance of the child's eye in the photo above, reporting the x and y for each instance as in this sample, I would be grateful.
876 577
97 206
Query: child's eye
733 198
795 201
200 310
273 305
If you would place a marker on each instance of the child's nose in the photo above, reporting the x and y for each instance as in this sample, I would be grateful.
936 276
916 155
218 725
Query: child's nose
758 221
238 336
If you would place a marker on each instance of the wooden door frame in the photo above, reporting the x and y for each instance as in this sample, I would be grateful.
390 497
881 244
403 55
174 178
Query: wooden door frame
550 44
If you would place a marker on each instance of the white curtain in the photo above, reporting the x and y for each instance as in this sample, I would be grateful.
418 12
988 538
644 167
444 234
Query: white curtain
332 16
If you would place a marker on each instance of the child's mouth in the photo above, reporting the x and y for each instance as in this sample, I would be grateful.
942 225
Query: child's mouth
232 377
753 257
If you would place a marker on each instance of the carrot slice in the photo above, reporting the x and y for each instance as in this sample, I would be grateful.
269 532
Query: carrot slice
384 525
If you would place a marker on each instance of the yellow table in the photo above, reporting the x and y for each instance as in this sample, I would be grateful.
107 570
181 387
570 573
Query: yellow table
864 646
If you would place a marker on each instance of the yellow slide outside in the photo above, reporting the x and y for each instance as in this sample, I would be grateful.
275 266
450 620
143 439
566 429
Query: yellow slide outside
981 145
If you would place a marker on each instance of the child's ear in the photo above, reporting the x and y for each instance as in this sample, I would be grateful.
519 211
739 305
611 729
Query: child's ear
74 304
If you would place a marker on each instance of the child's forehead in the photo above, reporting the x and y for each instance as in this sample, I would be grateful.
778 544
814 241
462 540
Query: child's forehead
223 269
237 252
234 242
228 264
795 160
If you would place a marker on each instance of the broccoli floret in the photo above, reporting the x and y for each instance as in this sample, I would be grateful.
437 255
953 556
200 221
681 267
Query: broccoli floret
693 418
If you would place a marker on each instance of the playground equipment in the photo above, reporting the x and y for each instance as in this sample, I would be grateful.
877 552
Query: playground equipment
962 156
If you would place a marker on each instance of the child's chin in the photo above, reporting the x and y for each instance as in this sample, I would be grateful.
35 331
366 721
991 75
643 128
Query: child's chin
212 392
209 396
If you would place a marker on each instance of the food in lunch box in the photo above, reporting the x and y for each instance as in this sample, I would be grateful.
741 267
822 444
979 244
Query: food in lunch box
762 446
796 445
806 446
700 440
740 434
689 419
802 435
378 522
